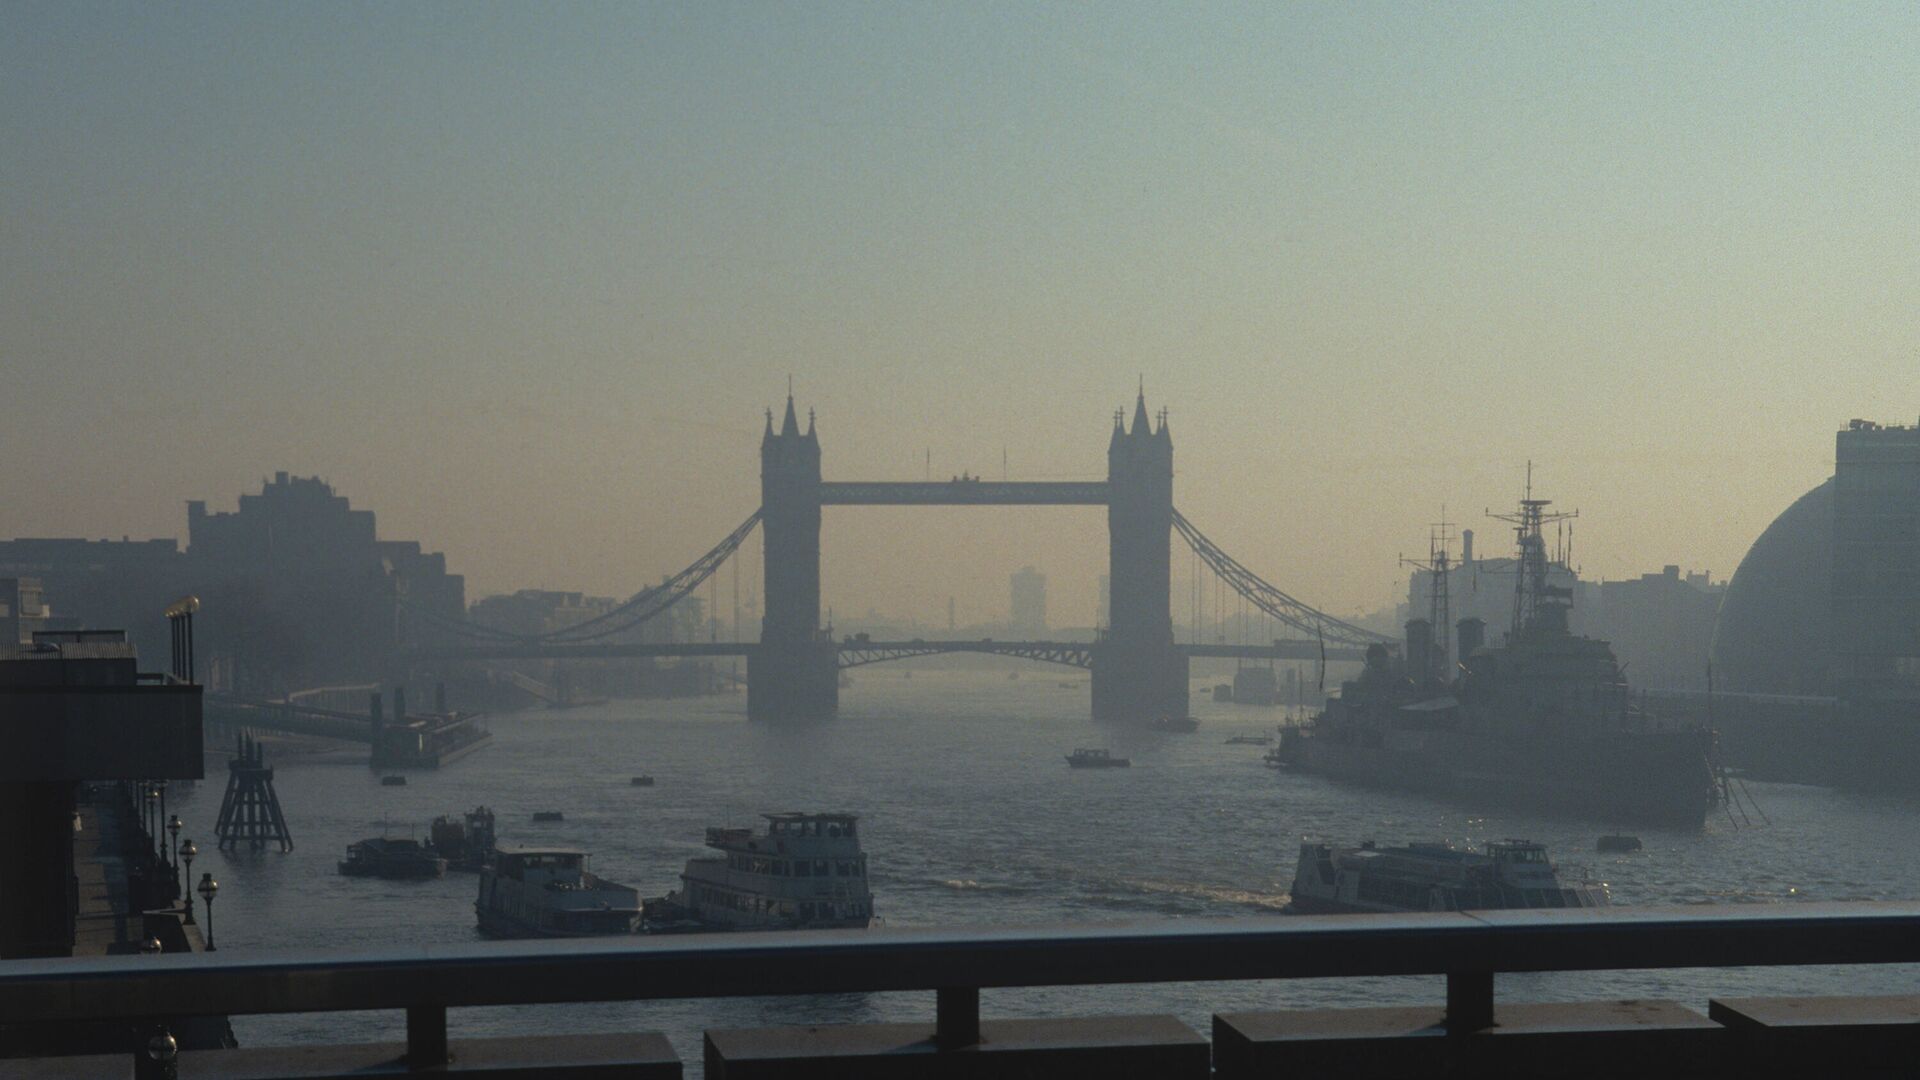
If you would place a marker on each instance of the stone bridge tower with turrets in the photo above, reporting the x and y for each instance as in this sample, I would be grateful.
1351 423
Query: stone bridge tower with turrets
794 674
1137 674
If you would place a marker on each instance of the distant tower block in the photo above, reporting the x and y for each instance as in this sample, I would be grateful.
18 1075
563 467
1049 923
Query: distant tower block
250 811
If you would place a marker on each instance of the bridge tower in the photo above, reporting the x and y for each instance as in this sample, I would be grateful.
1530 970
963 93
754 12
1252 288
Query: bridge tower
794 674
1137 674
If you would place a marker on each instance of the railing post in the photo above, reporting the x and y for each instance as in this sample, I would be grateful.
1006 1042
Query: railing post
956 1016
426 1036
1469 1001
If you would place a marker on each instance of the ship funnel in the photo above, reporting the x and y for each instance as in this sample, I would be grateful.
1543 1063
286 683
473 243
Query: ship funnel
1420 651
1466 550
1471 633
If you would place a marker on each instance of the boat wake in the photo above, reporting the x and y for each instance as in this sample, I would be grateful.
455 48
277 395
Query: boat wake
1222 895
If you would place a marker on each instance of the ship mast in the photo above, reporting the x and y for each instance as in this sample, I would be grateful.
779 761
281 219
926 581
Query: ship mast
1437 563
1536 604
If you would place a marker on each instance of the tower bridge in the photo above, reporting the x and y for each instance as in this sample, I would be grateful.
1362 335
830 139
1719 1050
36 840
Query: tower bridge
1139 670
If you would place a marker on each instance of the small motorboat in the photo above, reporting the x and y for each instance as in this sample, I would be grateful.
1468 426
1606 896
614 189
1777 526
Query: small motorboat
1250 740
1097 759
1618 842
641 781
1181 724
393 781
549 815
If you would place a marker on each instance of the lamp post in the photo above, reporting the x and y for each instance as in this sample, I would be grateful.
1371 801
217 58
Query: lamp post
173 851
160 816
208 887
187 852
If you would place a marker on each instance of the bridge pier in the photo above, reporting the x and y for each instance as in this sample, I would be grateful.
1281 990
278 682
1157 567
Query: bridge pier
1132 685
793 683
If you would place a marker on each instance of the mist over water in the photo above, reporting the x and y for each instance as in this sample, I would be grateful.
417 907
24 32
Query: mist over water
970 817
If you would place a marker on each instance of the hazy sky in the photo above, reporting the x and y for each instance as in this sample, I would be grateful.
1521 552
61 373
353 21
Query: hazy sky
522 278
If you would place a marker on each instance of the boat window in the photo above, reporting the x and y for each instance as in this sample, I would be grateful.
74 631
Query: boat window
820 868
833 830
802 868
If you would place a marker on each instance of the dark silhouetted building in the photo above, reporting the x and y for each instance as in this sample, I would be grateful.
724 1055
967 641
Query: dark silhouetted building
1876 561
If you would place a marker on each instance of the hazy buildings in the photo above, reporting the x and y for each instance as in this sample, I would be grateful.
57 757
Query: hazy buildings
300 590
1028 589
1661 626
298 587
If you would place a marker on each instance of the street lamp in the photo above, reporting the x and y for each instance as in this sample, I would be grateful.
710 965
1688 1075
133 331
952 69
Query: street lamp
187 852
208 887
173 847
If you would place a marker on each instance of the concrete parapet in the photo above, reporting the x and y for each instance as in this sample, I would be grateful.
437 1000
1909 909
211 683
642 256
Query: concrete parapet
1121 1047
1800 1036
641 1056
1584 1039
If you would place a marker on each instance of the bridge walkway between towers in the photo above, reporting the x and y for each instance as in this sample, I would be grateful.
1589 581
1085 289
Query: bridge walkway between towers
964 491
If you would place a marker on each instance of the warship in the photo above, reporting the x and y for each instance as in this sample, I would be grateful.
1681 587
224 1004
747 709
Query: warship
1543 721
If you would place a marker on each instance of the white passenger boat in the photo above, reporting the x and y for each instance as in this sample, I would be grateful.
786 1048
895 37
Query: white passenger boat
548 892
806 871
1433 877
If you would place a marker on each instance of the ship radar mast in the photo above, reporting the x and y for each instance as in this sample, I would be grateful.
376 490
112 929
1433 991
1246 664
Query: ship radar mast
1437 564
1536 604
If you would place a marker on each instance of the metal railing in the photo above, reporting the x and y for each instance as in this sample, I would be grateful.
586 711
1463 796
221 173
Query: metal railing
1468 948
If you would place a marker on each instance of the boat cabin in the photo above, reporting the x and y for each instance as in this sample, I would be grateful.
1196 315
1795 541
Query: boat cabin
541 866
832 826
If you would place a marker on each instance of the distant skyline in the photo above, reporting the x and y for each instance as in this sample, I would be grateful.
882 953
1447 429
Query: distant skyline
523 280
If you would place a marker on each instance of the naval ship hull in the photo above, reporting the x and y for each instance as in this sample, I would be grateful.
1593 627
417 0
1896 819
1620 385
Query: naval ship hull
1657 779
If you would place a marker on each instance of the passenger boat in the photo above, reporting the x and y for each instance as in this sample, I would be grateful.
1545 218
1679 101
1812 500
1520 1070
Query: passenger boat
389 858
805 872
1097 759
641 781
466 844
1433 877
395 780
1618 842
1181 724
1250 740
548 892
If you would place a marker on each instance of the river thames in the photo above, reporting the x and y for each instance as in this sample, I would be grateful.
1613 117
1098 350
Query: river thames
971 817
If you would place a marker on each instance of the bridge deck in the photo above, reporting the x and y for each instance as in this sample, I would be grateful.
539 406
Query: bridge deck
605 650
968 492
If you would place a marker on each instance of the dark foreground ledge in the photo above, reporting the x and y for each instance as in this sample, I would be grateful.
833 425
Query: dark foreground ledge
1467 948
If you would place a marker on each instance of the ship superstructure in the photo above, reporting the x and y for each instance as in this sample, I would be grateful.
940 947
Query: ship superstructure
549 892
1434 877
806 871
1544 720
